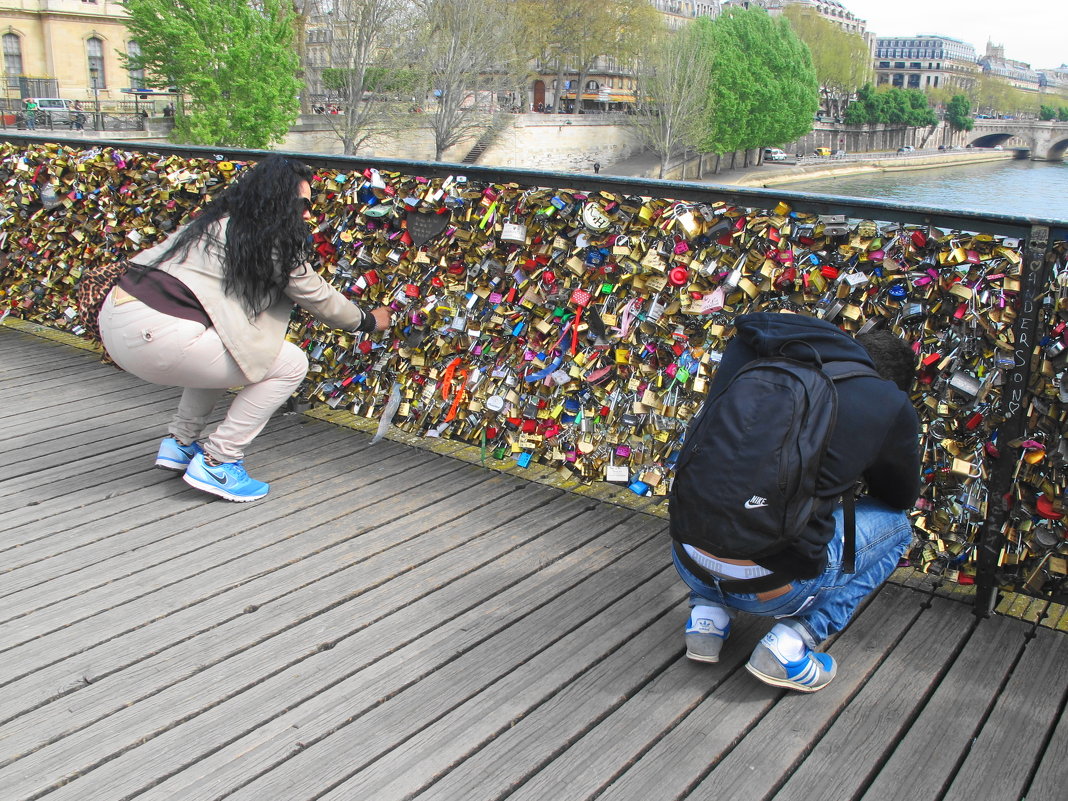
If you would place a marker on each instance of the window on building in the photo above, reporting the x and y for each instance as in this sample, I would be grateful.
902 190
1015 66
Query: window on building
94 49
885 65
914 82
137 77
915 65
12 59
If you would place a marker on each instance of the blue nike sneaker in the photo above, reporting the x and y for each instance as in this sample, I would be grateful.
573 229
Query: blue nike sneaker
227 480
812 672
173 455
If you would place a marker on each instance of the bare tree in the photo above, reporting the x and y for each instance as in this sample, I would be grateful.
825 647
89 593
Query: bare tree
463 56
365 68
673 88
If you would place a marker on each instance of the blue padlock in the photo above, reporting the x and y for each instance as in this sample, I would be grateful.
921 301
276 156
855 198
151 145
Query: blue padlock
639 487
523 460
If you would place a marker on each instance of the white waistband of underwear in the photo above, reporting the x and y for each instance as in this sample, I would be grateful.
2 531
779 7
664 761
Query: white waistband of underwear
725 570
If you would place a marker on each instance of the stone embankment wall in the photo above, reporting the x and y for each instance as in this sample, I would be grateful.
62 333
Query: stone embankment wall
564 142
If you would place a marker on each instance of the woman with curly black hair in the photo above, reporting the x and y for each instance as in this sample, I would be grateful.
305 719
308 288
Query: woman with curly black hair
208 308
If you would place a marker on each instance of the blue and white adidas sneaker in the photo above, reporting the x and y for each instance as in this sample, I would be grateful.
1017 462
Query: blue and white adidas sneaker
812 672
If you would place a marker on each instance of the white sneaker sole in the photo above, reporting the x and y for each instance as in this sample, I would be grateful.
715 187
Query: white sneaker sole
784 683
219 491
167 464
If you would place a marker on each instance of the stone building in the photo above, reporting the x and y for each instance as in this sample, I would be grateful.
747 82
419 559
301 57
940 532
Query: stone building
65 48
1016 73
925 62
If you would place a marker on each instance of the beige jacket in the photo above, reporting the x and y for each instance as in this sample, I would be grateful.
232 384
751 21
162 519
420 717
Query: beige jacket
254 342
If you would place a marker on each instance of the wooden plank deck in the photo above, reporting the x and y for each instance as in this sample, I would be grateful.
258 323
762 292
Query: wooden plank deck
393 623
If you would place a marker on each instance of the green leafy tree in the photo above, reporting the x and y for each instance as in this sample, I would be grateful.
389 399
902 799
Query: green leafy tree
234 60
1062 114
764 89
959 113
841 59
908 107
1046 113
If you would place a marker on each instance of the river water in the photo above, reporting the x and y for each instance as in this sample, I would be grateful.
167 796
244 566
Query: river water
1026 188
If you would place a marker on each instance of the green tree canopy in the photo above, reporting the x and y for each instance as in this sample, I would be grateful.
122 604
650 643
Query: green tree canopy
892 107
764 89
235 60
959 113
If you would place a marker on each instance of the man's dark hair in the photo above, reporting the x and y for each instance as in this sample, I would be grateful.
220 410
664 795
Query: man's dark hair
266 238
893 357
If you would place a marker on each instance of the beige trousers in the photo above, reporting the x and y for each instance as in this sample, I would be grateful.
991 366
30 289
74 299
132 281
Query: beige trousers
168 350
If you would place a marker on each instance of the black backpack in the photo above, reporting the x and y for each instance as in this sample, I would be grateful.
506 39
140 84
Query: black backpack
745 480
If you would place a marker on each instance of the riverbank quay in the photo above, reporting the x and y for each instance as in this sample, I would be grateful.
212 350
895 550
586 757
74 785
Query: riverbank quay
784 173
781 173
397 622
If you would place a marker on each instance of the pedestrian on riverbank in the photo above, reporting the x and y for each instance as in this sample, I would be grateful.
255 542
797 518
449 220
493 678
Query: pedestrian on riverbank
208 309
31 114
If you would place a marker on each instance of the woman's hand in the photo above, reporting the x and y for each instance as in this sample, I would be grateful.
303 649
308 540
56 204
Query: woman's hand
383 317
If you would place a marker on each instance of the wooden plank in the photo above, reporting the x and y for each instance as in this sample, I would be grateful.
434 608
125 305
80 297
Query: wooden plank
1007 748
576 742
926 758
220 701
74 421
1050 782
687 752
54 569
386 701
278 606
626 625
881 713
152 584
41 516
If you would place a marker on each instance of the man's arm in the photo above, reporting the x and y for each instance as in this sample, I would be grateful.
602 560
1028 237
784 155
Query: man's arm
894 477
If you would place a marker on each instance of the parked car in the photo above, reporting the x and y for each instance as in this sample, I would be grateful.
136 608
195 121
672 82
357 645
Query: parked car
56 111
774 154
906 149
821 151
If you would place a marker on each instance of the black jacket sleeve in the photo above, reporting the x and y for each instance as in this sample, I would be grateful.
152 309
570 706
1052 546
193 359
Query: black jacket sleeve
894 476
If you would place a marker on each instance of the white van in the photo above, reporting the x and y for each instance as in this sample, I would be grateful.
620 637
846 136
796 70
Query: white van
55 110
774 154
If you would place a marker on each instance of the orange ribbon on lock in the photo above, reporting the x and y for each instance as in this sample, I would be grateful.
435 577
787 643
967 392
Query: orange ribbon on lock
447 390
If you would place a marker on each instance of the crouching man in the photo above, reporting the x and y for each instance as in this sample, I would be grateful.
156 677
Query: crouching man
782 547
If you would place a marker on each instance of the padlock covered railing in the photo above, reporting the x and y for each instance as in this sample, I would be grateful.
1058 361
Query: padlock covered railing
575 321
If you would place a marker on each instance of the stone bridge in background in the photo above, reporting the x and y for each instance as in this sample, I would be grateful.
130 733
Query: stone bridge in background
1047 141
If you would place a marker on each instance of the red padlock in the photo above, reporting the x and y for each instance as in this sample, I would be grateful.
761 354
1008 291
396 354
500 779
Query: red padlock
548 277
829 272
678 276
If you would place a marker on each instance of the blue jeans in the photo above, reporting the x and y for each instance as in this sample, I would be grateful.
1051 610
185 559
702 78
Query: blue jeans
818 607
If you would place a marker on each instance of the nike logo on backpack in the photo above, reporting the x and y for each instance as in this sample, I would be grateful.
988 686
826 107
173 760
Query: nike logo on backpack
756 502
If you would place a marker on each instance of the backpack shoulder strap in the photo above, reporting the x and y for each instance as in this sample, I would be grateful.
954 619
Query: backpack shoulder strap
839 371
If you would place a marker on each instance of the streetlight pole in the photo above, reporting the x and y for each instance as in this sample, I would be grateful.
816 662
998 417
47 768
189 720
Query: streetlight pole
94 83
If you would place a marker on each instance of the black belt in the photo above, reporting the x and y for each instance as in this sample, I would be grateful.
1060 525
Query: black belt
772 581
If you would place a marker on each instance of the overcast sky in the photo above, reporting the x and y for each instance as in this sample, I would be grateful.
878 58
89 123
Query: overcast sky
1035 31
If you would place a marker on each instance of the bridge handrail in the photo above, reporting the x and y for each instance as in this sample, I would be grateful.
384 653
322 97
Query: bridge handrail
940 257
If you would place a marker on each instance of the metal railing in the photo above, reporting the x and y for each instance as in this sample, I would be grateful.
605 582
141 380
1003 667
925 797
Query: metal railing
993 286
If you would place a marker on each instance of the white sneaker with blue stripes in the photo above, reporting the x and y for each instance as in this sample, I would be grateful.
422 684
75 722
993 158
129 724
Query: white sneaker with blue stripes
812 672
